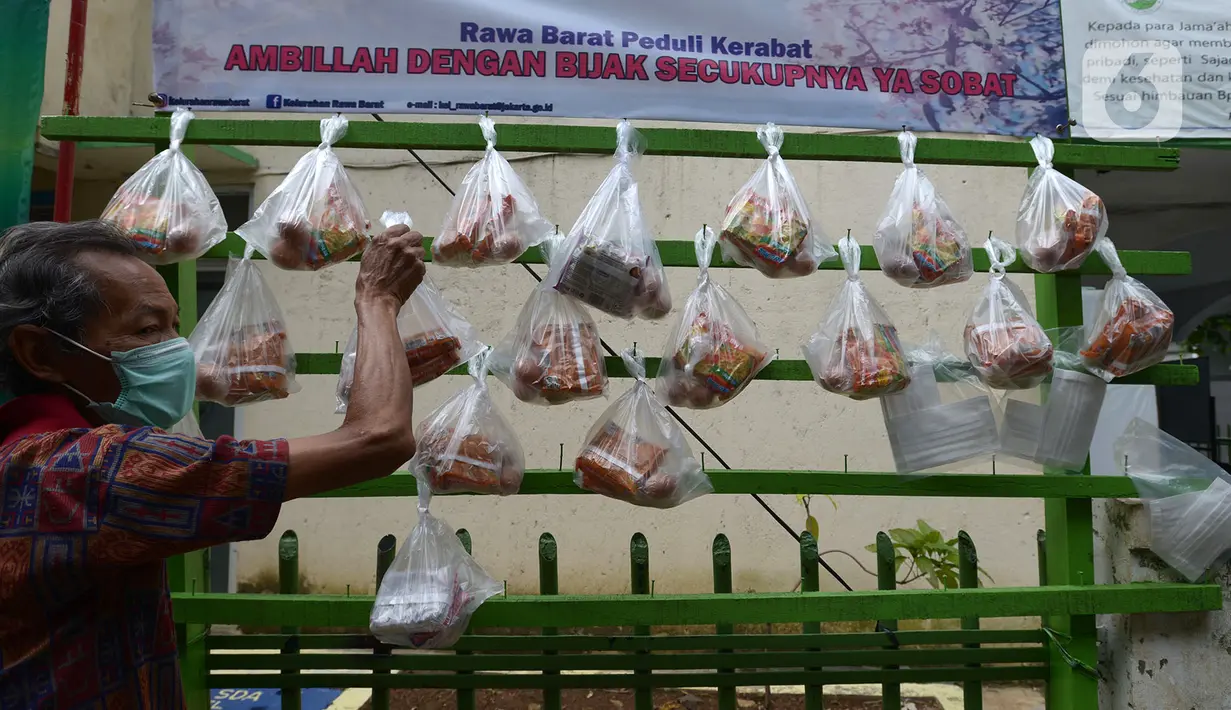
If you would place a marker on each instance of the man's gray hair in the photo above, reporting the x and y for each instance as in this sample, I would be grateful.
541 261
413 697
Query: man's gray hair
44 283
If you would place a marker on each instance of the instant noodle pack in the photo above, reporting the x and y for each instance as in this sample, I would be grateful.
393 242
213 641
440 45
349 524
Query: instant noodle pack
940 406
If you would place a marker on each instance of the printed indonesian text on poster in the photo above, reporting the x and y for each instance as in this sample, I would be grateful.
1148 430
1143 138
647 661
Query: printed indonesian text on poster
976 66
1149 69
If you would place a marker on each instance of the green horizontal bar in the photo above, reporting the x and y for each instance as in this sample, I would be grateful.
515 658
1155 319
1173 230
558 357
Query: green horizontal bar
609 680
841 483
682 253
782 370
250 642
624 662
548 138
689 609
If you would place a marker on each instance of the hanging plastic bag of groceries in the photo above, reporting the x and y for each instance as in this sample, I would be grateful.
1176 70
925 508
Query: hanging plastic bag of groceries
1004 343
610 261
918 241
242 350
1055 430
1132 329
436 338
167 207
315 218
713 351
637 453
767 226
1058 220
494 218
946 416
465 446
553 354
1187 496
431 590
856 351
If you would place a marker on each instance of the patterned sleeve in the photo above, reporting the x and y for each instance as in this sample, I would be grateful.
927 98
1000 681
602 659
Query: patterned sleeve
162 494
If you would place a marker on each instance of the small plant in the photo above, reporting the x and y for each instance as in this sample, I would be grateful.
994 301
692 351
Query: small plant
930 555
810 522
1212 337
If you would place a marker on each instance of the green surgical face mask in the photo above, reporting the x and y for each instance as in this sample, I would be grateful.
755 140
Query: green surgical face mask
157 384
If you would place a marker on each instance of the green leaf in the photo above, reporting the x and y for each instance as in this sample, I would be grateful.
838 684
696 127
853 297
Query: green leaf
870 548
906 536
925 528
925 565
898 562
813 527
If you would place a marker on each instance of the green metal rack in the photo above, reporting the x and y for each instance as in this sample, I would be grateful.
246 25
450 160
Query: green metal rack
567 642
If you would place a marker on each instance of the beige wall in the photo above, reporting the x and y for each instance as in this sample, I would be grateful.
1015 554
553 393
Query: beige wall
770 426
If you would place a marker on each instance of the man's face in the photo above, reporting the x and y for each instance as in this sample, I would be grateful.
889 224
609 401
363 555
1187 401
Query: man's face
138 310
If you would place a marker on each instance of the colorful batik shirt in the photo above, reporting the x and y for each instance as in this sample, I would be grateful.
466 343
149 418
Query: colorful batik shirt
88 517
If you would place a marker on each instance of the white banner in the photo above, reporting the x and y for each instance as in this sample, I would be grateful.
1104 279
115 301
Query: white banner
1149 69
982 66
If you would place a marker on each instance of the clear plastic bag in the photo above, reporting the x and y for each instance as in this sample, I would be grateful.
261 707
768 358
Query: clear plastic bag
1004 343
494 218
1187 496
944 417
315 218
465 446
767 226
436 337
637 453
918 241
1057 430
609 260
187 426
167 207
1133 327
856 352
242 350
553 354
713 351
432 588
1058 220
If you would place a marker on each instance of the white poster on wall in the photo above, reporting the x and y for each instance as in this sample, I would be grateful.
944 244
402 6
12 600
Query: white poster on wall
1137 68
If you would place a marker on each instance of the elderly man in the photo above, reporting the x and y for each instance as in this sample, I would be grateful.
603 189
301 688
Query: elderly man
91 505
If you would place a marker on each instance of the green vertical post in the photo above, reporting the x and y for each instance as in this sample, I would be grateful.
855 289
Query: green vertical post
639 569
968 578
465 696
1070 529
549 585
887 579
385 550
188 573
23 54
722 585
810 581
288 583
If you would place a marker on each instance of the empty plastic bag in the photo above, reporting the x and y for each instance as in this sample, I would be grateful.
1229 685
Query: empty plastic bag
713 351
315 217
432 588
767 226
918 241
553 353
243 354
609 260
637 453
167 207
1004 343
436 337
1058 220
944 417
494 218
1055 431
856 351
465 446
1132 329
1187 496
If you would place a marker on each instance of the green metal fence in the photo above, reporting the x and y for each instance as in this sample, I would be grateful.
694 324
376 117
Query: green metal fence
1062 651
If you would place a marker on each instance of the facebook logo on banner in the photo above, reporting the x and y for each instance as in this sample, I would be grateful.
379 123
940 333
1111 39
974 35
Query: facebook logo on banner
273 101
